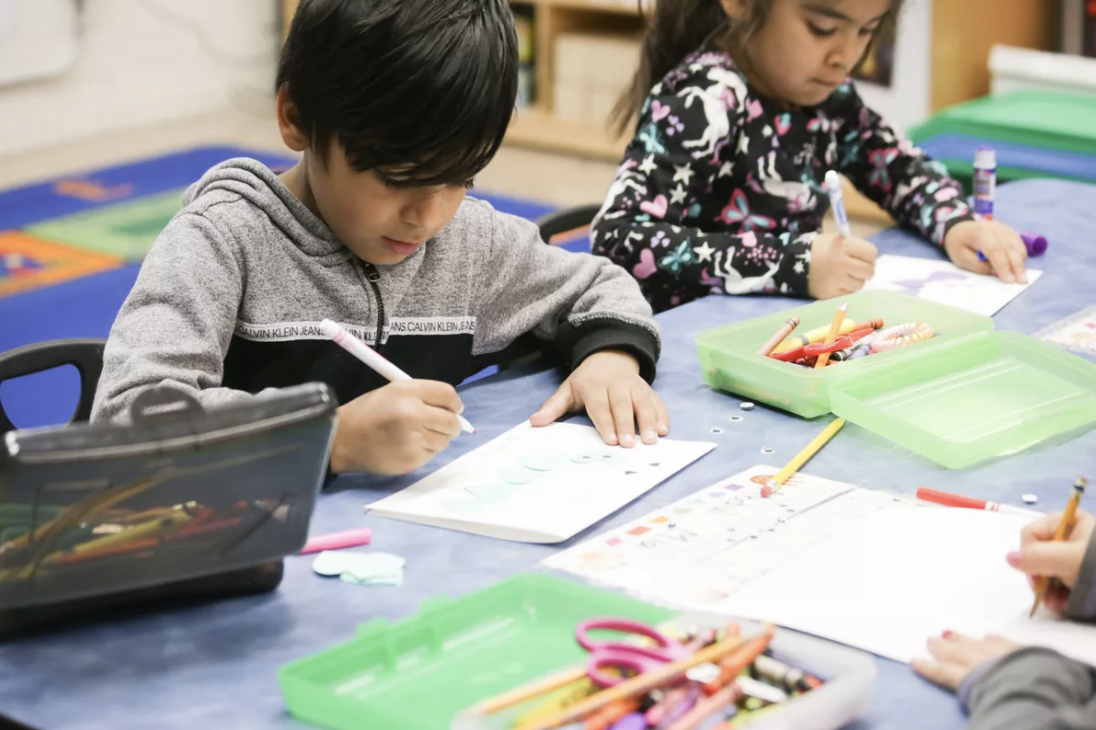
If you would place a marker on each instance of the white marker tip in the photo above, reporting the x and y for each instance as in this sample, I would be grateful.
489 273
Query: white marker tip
832 180
330 329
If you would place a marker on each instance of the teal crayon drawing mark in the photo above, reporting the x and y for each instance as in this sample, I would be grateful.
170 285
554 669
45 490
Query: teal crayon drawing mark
520 476
543 462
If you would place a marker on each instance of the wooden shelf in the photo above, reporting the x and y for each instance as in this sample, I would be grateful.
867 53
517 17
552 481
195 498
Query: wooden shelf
537 128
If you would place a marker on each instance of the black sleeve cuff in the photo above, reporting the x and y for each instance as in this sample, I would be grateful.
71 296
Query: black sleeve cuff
586 339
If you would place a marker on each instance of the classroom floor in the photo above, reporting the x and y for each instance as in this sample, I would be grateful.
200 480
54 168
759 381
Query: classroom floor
543 177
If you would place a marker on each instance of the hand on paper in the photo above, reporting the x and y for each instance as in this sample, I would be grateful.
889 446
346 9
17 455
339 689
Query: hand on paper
395 429
955 656
839 266
608 386
1000 244
1040 556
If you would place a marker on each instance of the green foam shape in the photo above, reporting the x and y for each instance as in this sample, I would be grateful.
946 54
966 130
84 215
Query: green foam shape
126 230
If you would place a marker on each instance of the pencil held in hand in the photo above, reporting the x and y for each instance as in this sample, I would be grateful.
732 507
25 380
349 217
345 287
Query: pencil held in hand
1069 518
373 359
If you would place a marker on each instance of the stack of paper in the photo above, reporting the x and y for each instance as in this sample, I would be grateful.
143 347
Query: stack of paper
871 570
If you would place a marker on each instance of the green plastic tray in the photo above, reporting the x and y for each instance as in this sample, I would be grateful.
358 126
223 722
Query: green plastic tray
1036 118
464 651
728 355
974 398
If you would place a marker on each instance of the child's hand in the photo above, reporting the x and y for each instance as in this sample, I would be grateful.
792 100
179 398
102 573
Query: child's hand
840 266
395 429
1040 556
1000 244
955 656
608 384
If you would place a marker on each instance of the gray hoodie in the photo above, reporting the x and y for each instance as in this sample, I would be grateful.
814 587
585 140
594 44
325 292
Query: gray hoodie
229 300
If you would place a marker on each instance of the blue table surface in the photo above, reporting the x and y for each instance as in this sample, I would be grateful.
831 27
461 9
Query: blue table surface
1077 165
218 663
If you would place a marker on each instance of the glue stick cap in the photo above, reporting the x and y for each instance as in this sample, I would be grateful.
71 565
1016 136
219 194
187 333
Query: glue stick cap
1036 244
985 158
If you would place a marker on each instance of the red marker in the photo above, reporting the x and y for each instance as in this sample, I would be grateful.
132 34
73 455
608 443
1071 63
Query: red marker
958 500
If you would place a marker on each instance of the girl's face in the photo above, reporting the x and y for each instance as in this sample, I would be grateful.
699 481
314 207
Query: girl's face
806 48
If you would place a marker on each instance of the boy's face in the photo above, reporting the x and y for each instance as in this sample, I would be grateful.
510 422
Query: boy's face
380 222
806 48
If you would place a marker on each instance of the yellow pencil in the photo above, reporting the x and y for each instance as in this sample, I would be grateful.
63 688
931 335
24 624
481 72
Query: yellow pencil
802 458
835 329
1069 517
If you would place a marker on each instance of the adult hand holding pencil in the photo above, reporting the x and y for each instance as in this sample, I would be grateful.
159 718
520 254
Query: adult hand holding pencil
397 428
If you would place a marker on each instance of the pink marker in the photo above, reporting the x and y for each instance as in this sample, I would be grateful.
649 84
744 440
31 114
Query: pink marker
337 541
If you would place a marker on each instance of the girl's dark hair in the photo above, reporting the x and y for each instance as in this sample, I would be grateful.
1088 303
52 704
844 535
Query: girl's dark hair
423 86
676 28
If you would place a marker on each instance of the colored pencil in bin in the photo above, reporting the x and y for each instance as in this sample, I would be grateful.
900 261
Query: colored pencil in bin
835 329
642 683
779 336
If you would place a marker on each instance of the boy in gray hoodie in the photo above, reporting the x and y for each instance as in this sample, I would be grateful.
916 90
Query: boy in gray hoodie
395 105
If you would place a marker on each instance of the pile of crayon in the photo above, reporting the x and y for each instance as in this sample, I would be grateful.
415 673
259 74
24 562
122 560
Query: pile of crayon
728 683
841 341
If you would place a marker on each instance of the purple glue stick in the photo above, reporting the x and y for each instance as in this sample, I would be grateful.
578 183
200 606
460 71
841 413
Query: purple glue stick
1035 244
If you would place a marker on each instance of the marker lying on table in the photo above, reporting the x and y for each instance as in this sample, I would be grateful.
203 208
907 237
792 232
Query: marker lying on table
958 500
337 541
373 359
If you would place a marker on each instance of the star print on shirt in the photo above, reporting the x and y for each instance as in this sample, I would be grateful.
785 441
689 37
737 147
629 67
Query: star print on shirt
648 165
677 195
799 268
703 252
683 173
727 170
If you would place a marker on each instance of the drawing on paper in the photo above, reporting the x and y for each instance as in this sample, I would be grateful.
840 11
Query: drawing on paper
1076 333
539 484
945 283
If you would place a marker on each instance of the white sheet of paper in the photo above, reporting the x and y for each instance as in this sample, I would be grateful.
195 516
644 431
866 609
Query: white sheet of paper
868 569
541 485
945 283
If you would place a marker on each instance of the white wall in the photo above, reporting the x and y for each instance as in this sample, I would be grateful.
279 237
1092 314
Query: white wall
146 61
907 101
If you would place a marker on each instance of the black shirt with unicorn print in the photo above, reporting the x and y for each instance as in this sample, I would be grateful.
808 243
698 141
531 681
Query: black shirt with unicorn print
721 190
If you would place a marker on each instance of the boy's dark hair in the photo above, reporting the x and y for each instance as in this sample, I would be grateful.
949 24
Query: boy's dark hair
676 28
424 87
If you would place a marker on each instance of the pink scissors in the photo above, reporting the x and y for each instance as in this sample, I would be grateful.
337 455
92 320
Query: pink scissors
623 656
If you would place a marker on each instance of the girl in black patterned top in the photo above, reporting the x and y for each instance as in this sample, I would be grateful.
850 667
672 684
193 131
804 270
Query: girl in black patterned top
721 190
